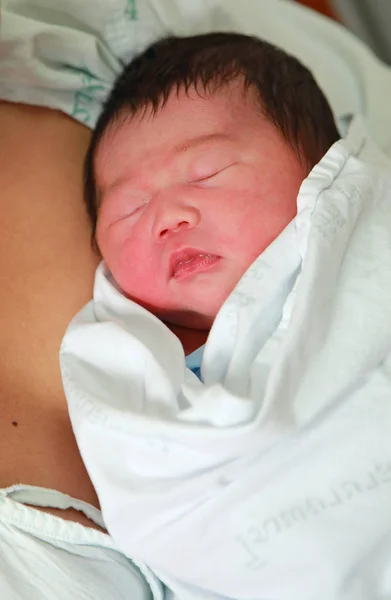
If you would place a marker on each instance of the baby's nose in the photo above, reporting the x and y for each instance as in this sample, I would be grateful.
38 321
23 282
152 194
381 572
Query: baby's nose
173 219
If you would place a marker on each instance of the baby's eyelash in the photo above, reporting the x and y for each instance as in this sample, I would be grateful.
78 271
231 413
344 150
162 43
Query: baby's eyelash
126 215
135 210
206 177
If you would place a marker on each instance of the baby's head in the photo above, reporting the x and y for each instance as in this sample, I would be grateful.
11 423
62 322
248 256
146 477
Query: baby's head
195 166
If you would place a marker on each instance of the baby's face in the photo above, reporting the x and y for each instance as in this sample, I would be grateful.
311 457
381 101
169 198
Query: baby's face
190 197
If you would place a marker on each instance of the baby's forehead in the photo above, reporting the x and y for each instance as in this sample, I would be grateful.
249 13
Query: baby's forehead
225 103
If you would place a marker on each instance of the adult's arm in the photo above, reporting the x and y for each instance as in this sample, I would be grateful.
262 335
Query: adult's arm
46 275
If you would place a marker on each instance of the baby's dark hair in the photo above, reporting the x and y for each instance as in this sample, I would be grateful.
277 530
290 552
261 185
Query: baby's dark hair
287 91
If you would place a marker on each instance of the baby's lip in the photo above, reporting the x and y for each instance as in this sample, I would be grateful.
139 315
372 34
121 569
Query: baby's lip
183 256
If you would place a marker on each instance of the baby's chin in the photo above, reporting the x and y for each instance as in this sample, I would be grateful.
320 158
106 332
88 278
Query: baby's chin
199 314
180 317
199 318
188 319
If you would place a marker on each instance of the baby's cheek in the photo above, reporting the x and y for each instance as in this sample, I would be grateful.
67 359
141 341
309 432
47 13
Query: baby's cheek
138 275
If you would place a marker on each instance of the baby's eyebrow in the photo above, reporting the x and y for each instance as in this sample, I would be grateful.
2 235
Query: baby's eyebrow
202 139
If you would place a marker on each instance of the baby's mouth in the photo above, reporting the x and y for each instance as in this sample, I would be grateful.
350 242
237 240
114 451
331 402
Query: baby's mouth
189 261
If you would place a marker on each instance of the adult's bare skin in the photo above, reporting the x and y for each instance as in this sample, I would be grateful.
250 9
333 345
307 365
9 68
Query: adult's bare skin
46 275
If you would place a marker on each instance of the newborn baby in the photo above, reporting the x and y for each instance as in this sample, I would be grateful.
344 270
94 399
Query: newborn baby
225 208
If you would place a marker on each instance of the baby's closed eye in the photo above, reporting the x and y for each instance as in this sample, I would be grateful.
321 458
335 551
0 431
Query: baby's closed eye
211 173
126 207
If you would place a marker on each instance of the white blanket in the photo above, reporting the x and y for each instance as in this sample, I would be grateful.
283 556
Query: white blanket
271 479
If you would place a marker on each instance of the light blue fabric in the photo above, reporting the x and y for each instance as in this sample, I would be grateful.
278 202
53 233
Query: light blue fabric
194 360
44 557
